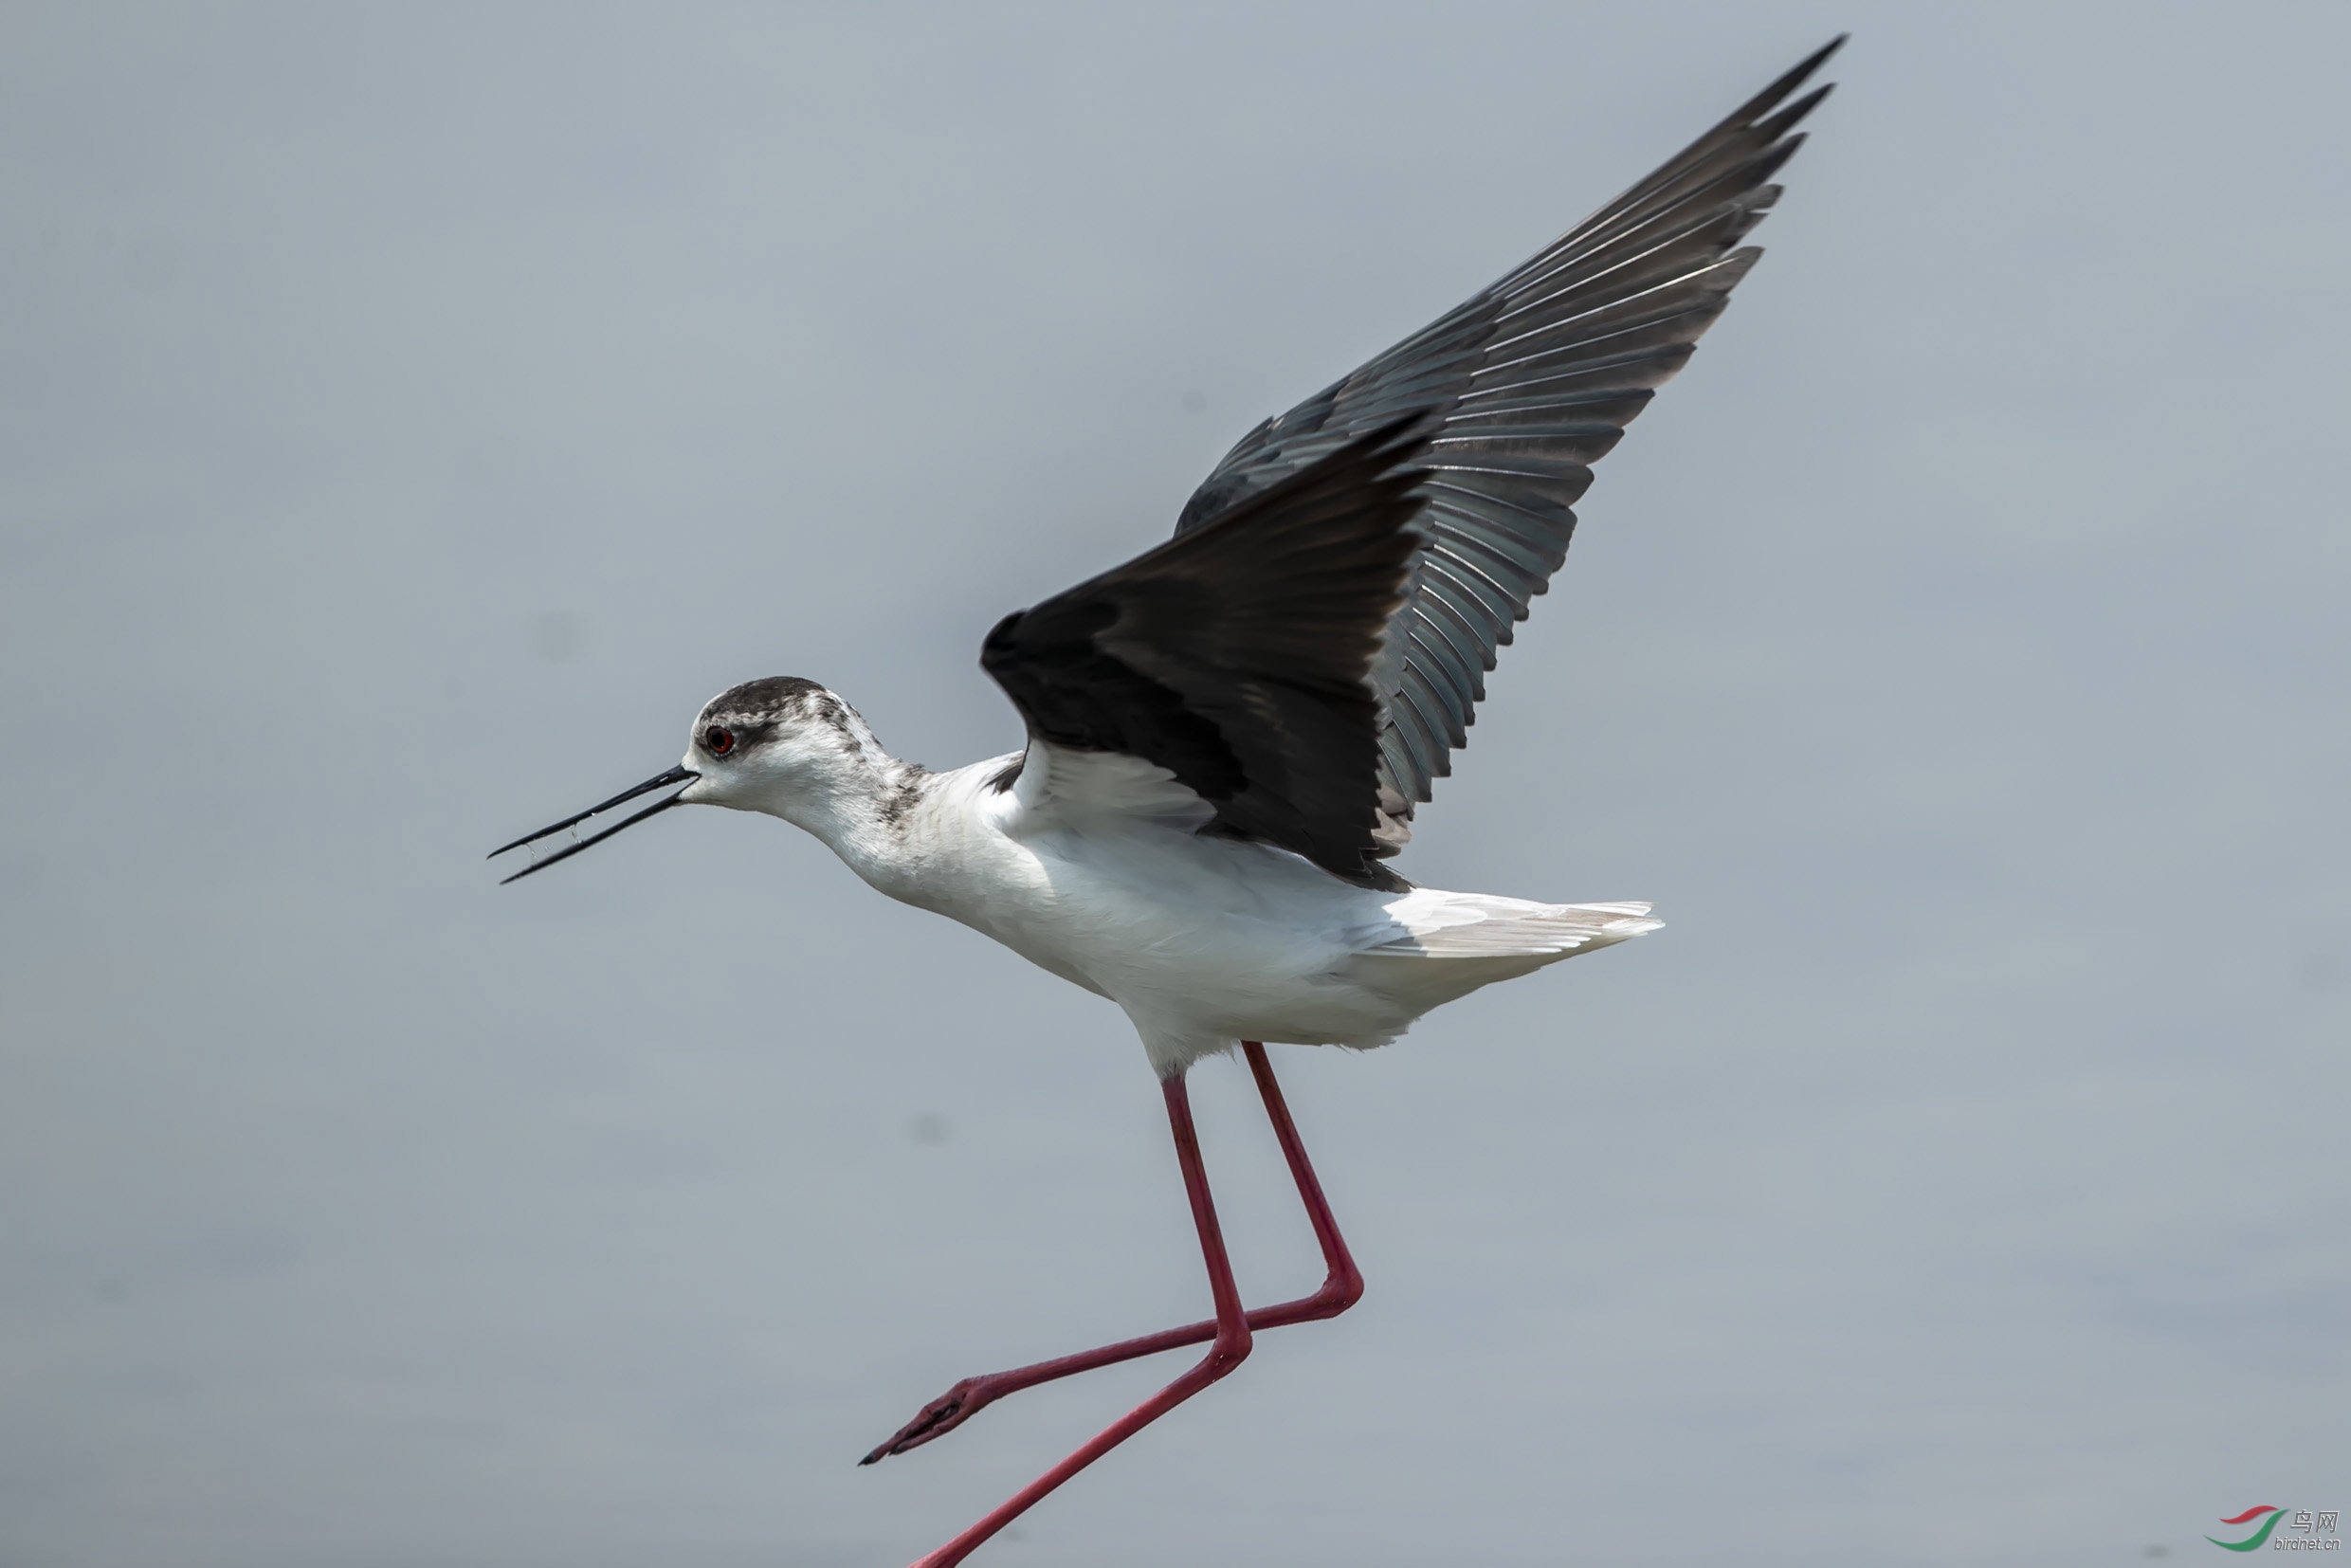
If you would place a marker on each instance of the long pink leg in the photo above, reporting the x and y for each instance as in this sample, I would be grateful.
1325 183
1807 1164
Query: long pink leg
1342 1288
1232 1346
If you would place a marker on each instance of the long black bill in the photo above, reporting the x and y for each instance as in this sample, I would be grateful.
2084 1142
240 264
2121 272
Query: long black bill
675 775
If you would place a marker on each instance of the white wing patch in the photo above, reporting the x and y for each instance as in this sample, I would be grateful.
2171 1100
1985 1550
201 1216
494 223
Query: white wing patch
1061 785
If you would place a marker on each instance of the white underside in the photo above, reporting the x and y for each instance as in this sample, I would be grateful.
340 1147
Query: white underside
1092 868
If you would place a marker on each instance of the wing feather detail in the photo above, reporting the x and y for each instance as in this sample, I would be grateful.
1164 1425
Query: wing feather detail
1525 387
1238 657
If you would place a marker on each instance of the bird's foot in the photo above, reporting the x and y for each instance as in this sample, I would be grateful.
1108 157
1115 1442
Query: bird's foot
943 1415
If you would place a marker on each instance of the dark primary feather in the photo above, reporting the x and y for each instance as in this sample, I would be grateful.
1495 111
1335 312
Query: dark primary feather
1238 654
1526 386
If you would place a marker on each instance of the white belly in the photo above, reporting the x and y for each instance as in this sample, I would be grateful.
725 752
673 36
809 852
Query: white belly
1207 941
1202 942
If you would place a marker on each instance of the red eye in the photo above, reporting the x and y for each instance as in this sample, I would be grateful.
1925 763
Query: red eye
718 741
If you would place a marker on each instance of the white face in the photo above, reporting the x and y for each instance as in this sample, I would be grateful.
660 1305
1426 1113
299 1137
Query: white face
775 746
738 763
759 745
784 746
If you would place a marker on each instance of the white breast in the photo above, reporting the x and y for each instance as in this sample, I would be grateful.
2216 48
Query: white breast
1205 941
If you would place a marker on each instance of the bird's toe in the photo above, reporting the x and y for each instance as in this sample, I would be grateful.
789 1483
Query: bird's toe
937 1420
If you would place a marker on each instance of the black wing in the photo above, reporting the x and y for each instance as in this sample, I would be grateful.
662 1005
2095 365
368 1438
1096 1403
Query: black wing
1526 385
1238 655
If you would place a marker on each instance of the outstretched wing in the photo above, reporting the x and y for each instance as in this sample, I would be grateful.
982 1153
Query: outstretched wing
1525 387
1239 655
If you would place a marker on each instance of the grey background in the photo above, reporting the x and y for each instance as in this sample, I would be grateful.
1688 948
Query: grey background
412 414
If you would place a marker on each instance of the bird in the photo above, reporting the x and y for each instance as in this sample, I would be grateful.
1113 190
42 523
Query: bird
1226 736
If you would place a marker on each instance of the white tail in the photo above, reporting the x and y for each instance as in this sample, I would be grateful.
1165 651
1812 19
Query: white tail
1471 925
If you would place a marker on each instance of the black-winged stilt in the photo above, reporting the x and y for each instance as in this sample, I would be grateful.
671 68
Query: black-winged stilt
1228 735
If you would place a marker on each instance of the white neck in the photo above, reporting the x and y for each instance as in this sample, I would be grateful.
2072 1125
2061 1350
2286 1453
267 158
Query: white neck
838 783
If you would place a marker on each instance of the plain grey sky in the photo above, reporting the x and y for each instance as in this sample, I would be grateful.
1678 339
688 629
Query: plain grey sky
413 413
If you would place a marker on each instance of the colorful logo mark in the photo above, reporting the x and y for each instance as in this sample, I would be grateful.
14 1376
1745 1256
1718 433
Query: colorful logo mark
2252 1543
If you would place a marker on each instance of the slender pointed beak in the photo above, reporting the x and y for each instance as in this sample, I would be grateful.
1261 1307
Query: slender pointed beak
675 775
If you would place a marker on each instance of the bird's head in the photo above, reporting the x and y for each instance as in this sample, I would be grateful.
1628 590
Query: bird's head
757 747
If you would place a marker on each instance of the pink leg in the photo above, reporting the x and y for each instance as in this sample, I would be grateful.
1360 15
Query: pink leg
1232 1346
1343 1287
